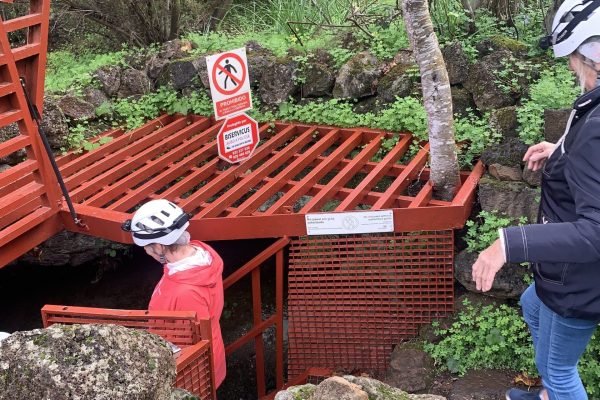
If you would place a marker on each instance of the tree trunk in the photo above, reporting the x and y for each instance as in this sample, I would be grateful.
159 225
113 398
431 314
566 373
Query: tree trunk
436 96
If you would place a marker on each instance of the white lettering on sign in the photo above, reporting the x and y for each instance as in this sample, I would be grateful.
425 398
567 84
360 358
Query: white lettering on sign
349 222
238 137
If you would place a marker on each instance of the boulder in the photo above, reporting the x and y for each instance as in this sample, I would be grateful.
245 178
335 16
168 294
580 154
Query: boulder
372 104
155 66
483 82
54 123
496 43
358 77
509 152
175 48
514 199
180 394
134 83
94 96
109 77
76 108
462 101
202 71
555 122
504 120
505 173
396 82
411 369
534 178
508 284
318 80
259 60
377 390
100 362
299 392
68 248
457 63
178 74
404 57
338 388
6 133
278 82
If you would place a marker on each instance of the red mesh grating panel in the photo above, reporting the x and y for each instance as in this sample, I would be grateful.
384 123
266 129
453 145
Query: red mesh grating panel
178 327
193 370
351 298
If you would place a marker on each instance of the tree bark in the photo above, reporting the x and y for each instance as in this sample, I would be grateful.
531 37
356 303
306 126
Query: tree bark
436 96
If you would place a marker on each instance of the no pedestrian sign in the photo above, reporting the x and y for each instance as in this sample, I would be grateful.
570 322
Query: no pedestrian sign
229 82
237 138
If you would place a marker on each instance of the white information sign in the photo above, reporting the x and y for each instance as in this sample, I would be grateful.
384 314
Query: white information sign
350 222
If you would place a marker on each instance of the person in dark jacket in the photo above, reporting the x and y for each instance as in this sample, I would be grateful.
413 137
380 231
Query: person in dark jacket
562 306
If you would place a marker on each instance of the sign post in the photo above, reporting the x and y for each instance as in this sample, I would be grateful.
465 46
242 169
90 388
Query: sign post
237 138
229 82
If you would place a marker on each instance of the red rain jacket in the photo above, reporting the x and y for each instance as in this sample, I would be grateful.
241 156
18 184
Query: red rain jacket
197 289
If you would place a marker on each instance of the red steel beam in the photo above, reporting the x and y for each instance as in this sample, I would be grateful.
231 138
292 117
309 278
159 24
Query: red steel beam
247 182
259 344
213 187
17 176
342 177
423 197
196 176
14 144
375 175
403 180
25 21
153 166
124 162
293 169
17 199
105 161
25 224
118 143
171 173
36 235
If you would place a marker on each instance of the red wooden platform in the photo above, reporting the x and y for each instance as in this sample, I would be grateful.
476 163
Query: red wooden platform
297 169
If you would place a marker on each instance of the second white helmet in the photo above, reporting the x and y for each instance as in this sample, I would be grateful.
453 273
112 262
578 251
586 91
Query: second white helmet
574 23
157 221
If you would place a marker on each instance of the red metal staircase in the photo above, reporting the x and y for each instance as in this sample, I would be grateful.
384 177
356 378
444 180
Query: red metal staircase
30 199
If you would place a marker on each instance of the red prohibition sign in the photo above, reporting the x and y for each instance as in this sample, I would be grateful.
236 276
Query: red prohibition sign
217 67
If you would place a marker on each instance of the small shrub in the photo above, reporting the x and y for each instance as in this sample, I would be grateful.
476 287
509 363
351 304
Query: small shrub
555 89
494 337
480 235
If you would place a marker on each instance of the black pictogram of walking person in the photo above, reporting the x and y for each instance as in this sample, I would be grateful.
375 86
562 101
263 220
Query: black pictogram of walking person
228 67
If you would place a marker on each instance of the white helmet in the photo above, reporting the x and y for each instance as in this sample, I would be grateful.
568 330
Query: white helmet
574 23
157 221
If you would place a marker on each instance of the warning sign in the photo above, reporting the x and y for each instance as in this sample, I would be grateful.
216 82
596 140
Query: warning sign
237 138
229 82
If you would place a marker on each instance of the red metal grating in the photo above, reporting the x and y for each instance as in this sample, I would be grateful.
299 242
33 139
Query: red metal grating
194 370
351 298
295 170
194 364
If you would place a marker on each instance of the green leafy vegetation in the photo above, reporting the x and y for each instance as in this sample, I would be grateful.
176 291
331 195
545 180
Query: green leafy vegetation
497 337
482 233
72 71
554 90
484 337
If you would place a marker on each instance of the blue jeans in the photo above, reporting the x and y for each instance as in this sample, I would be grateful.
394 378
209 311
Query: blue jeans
558 344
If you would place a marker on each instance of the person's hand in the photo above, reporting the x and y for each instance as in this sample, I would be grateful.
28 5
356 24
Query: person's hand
487 265
536 155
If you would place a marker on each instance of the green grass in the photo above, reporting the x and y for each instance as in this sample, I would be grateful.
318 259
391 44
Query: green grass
66 70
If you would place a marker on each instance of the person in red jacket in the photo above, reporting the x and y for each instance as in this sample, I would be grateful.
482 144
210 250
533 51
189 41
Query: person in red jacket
192 278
